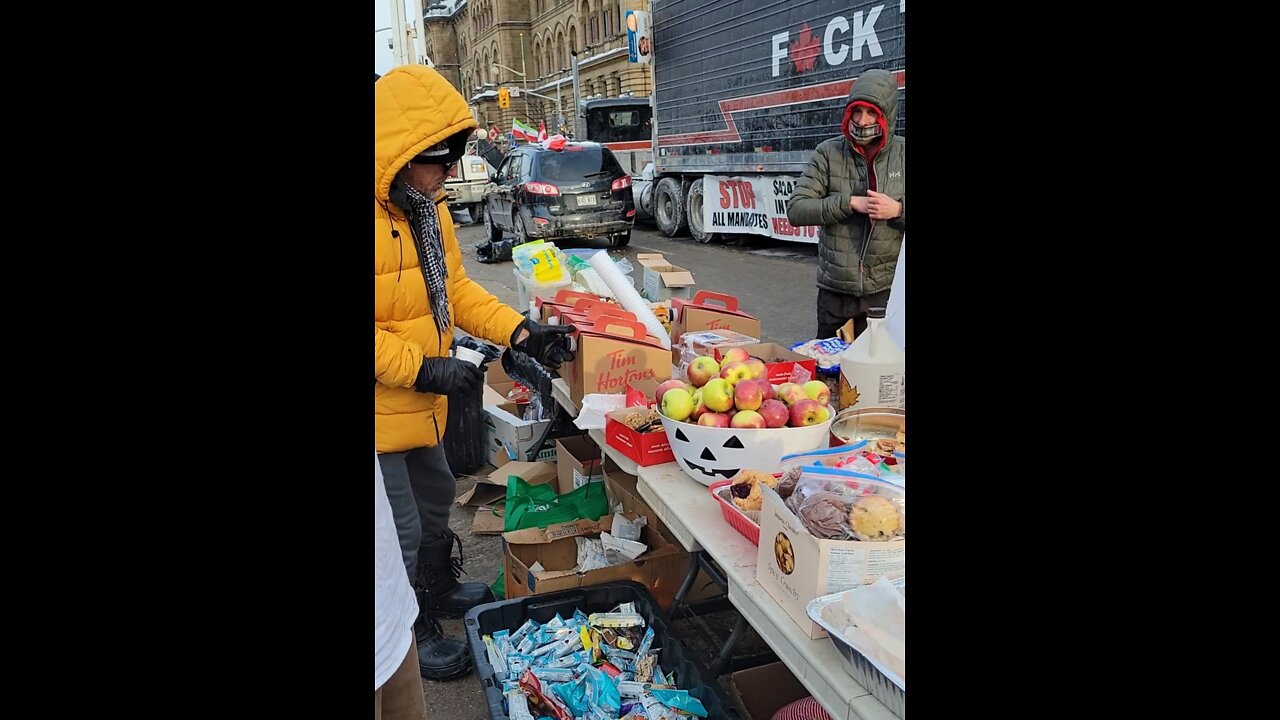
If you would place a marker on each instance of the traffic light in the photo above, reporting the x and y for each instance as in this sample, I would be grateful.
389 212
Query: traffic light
504 98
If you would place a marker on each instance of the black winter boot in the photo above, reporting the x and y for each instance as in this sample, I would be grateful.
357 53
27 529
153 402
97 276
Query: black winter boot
439 657
445 596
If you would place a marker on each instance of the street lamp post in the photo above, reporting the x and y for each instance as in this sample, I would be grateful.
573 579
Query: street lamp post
521 72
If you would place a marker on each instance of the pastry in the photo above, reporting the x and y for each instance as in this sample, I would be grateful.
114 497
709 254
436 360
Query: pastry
746 489
825 515
874 518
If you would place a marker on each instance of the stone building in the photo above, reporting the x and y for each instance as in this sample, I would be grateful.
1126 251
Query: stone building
466 38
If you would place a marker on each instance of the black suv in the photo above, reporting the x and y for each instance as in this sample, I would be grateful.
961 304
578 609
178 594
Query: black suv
579 191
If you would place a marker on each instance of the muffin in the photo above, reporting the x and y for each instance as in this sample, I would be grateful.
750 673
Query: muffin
874 518
746 489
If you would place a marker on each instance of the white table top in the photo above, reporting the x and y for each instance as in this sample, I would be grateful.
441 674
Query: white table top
560 391
695 520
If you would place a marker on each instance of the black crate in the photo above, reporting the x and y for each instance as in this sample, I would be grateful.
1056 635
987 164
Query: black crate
511 614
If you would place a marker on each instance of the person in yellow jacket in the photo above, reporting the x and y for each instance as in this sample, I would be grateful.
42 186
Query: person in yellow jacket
421 291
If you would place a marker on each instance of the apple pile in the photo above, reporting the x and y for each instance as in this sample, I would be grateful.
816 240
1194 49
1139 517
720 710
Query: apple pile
738 395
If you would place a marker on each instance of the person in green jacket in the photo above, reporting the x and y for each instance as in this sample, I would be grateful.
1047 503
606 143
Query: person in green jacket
855 187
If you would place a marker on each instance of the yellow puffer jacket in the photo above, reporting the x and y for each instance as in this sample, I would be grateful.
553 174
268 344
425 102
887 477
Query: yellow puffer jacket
415 108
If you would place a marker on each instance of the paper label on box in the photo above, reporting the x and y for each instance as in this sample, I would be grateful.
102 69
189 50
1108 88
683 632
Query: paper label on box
579 479
844 569
848 567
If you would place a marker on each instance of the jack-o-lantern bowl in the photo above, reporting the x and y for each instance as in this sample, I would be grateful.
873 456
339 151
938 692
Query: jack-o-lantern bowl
711 454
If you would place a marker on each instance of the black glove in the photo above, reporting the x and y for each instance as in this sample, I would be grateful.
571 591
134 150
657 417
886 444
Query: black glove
548 344
448 376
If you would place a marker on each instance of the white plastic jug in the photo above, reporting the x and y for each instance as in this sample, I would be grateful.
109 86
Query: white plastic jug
874 367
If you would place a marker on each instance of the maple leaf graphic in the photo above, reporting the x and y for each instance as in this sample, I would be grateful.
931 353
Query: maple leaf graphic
804 51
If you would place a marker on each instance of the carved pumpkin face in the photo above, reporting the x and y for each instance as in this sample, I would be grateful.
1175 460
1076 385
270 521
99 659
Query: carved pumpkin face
715 464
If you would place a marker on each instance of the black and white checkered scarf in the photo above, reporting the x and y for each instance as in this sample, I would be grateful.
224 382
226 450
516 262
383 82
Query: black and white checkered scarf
424 221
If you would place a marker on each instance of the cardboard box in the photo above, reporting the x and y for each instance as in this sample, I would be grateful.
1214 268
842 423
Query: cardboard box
491 492
817 567
507 434
763 691
577 463
711 311
779 362
662 280
660 568
644 449
611 353
623 488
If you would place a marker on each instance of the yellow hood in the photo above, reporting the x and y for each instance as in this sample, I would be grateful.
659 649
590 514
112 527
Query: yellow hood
414 108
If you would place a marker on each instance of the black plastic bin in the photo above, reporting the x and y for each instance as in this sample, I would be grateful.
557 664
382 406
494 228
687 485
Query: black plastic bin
511 614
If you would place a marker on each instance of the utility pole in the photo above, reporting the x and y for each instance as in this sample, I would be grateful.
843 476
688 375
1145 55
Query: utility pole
398 35
420 35
577 98
524 75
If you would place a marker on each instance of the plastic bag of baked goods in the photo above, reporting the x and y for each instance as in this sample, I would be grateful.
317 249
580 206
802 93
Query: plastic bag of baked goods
862 457
841 505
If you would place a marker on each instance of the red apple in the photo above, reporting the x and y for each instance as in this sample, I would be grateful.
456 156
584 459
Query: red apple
736 354
808 412
747 395
670 385
735 372
702 369
711 419
757 368
769 393
817 390
747 419
791 393
775 413
699 407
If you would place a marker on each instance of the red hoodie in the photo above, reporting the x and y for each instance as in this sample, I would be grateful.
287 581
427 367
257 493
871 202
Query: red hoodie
869 152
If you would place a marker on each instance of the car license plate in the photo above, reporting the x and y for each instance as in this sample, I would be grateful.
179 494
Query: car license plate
586 200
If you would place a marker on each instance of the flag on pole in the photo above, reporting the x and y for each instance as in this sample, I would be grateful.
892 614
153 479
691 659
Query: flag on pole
542 130
493 133
522 131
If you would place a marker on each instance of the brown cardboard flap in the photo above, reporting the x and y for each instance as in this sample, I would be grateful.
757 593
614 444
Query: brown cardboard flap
767 689
677 278
559 531
494 486
647 259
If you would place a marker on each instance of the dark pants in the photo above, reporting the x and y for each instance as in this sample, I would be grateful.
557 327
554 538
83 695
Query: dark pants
420 487
836 309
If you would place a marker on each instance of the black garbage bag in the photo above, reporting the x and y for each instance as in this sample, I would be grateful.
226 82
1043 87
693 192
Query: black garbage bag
464 432
491 252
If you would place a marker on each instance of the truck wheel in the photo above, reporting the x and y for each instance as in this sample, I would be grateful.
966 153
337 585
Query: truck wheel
476 210
491 229
693 205
668 202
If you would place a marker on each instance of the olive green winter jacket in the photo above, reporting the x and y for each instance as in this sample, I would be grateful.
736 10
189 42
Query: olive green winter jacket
835 173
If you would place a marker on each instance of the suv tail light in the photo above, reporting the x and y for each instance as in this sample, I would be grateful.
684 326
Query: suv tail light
622 183
538 188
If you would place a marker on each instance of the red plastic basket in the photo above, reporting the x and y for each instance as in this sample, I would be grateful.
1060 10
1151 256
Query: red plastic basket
734 516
